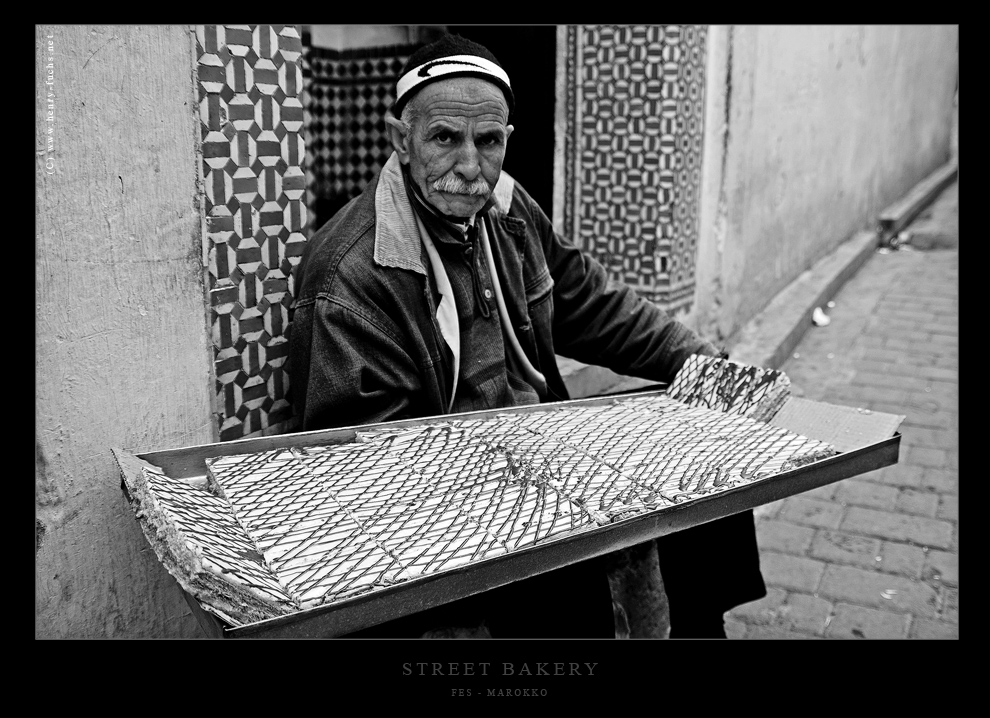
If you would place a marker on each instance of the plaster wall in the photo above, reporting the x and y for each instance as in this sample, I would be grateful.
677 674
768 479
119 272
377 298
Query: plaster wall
811 131
346 37
121 327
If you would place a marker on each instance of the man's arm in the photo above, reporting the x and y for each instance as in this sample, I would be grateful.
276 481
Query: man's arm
348 370
603 322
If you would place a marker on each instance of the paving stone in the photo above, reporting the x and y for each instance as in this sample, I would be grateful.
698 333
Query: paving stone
885 380
930 402
877 590
901 344
950 605
897 475
948 507
917 316
812 512
933 373
768 511
784 537
822 493
944 481
947 362
871 341
840 547
947 328
866 493
943 389
893 347
894 321
762 611
768 633
804 613
860 395
929 629
942 566
925 415
920 503
888 407
849 396
929 458
734 630
931 438
898 527
911 334
946 344
902 559
939 410
879 360
794 573
860 622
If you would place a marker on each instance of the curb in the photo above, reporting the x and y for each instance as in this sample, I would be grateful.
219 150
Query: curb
769 338
897 216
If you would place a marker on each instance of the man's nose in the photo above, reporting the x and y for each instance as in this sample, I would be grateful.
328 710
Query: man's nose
468 165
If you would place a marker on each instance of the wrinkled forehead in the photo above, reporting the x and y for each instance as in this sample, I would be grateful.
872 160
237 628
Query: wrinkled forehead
465 98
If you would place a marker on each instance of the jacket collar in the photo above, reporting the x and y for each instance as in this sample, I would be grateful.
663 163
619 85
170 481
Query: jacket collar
397 241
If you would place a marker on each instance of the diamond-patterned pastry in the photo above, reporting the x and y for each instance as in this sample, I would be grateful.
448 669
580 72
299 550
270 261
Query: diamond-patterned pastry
325 523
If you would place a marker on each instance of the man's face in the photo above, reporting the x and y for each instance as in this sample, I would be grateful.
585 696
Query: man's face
457 143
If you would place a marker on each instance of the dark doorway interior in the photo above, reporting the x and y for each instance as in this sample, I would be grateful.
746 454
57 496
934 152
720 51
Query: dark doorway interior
528 55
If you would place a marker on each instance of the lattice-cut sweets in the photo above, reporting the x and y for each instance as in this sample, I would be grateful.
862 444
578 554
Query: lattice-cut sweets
729 387
698 451
199 541
330 522
313 541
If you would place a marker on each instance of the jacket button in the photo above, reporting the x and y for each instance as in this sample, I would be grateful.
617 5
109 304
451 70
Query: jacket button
488 294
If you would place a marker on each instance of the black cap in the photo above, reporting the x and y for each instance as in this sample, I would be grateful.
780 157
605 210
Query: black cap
450 56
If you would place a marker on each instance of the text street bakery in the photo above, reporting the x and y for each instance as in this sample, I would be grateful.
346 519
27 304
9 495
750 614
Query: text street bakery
501 669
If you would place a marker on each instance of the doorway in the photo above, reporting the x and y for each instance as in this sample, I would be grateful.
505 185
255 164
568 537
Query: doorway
528 54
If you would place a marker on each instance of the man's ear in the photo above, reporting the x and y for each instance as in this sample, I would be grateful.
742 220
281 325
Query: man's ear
398 137
508 130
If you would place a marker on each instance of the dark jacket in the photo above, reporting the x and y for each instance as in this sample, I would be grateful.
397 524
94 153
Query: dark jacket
365 345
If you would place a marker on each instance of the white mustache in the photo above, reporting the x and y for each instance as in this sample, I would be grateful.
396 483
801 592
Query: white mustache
455 185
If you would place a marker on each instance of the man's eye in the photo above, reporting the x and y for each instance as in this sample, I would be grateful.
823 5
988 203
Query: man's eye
444 138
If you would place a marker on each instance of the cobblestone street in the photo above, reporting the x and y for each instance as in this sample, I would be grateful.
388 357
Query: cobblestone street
876 556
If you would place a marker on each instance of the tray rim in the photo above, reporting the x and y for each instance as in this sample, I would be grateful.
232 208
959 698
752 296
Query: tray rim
352 614
556 553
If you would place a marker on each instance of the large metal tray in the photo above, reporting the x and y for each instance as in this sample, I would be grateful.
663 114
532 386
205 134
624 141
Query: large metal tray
867 441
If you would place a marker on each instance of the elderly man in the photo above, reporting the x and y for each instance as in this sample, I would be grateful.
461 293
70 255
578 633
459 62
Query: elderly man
444 288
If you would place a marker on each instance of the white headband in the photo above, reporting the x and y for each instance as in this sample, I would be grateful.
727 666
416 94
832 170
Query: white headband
433 69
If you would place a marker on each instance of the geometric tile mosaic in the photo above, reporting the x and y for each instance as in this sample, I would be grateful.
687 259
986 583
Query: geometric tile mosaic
346 95
634 107
251 118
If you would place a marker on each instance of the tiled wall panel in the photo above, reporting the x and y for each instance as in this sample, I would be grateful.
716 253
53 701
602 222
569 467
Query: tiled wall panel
347 94
251 117
634 104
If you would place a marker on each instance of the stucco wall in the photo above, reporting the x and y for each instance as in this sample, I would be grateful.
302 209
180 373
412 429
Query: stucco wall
121 352
345 37
810 132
